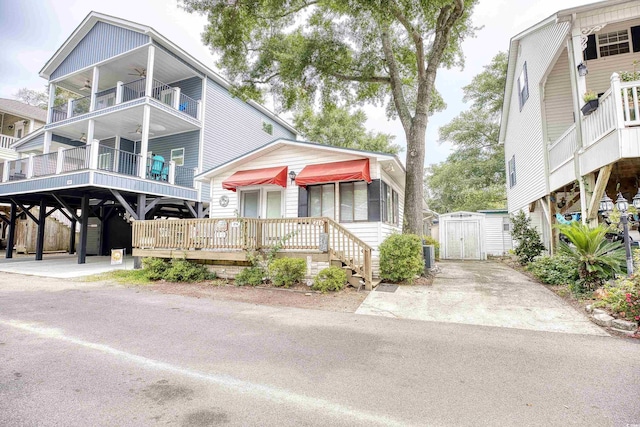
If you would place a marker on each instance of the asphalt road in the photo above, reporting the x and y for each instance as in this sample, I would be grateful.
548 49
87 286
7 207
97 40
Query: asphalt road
121 356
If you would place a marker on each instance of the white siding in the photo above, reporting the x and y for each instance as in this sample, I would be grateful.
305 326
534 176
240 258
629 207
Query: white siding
496 240
608 14
558 102
524 136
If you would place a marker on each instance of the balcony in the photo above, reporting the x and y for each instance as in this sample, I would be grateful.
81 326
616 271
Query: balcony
126 92
610 133
6 141
97 158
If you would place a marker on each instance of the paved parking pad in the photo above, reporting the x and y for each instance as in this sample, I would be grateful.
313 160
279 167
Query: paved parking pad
484 293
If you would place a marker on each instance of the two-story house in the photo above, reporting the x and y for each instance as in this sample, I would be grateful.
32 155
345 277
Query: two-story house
145 119
561 156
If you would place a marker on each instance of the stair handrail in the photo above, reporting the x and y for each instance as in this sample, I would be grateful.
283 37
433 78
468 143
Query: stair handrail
351 256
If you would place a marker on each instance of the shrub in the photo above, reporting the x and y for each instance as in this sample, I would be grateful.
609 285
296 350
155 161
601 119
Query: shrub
155 268
554 270
428 240
250 276
401 257
287 271
330 279
182 270
527 238
597 258
622 297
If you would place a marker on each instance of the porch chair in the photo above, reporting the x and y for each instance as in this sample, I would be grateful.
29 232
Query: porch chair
164 175
156 167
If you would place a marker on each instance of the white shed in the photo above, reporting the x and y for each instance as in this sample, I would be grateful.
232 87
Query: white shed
462 235
497 232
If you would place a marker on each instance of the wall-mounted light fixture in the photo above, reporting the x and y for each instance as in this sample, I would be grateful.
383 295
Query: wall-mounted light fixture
582 69
25 122
292 176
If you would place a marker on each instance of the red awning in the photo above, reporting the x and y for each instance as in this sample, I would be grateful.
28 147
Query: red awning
351 170
276 175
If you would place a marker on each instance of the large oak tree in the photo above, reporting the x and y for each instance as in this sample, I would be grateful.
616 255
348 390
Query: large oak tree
344 52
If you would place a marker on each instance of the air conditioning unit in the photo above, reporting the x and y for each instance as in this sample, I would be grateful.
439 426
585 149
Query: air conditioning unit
429 253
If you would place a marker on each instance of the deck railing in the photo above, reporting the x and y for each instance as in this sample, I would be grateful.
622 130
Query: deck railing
45 164
105 98
18 169
74 159
163 93
59 113
6 141
133 90
80 106
602 121
188 106
309 234
184 176
631 106
563 148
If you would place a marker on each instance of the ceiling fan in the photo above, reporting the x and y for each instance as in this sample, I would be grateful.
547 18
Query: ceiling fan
83 137
87 85
140 72
138 131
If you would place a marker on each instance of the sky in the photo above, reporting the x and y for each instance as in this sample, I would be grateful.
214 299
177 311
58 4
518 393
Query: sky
32 30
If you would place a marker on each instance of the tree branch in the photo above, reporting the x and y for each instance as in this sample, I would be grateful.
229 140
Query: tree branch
289 12
362 79
395 81
415 35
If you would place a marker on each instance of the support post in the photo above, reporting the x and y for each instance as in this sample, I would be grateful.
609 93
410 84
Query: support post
172 172
176 98
142 204
144 143
11 234
60 161
5 171
52 98
30 166
84 227
119 92
94 88
148 90
72 237
47 142
42 216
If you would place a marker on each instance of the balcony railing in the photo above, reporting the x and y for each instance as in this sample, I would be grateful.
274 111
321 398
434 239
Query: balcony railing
184 176
74 159
17 169
45 164
563 148
6 141
160 91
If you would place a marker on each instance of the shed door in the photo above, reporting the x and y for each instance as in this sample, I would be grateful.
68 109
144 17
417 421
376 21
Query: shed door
463 239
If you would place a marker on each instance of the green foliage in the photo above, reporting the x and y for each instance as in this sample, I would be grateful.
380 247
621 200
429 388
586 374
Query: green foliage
287 271
527 238
428 240
473 176
401 257
330 279
339 127
622 297
597 258
250 276
554 270
630 76
589 96
155 268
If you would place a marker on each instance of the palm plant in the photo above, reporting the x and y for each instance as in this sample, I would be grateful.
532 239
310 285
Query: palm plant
598 259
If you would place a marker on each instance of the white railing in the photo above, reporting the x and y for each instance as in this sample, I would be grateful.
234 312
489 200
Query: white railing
630 105
563 148
6 141
602 121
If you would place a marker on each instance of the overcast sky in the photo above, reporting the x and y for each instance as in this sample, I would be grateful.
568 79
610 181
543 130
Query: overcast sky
32 30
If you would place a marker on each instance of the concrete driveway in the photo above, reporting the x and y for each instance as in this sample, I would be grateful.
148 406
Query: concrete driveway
62 266
484 293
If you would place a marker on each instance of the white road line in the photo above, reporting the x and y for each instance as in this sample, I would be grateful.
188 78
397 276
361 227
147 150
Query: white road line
256 390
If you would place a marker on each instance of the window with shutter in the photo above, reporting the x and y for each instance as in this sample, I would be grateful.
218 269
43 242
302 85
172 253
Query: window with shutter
353 201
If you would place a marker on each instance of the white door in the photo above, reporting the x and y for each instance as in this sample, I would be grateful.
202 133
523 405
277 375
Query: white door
463 240
250 204
274 204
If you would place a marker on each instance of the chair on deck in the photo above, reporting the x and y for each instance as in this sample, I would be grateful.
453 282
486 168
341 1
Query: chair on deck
156 167
164 175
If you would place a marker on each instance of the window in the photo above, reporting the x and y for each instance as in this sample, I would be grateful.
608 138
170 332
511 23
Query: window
322 200
613 43
523 86
506 227
390 205
177 155
512 171
267 127
353 201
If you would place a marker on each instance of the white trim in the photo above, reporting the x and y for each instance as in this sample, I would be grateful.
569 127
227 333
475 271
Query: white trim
172 158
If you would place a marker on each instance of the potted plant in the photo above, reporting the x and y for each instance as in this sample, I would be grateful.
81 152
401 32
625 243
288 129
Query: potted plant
630 76
591 102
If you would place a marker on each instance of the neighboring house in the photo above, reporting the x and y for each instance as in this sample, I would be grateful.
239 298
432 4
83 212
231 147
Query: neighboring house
360 192
147 117
17 120
560 159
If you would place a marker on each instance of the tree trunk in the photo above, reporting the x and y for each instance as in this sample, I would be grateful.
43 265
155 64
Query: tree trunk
414 189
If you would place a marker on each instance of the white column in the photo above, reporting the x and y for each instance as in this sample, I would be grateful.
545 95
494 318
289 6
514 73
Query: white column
60 159
30 166
116 161
31 125
69 108
176 98
150 61
172 172
119 92
93 148
94 88
47 142
144 143
5 171
52 99
581 81
617 100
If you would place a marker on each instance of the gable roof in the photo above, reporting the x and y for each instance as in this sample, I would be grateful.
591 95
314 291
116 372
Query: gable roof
18 108
94 17
281 142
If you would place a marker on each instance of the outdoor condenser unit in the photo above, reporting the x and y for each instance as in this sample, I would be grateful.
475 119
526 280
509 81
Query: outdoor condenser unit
429 253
